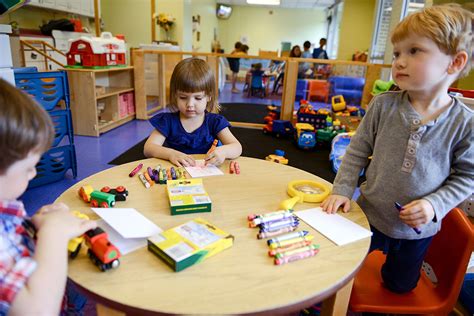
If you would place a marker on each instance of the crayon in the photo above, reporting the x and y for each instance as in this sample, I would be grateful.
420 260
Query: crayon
278 223
252 216
147 177
144 181
266 219
296 257
213 146
150 173
289 253
399 207
173 173
134 171
283 230
288 236
273 252
290 241
236 167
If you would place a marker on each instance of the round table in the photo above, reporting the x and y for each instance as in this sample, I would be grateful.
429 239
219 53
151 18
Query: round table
239 280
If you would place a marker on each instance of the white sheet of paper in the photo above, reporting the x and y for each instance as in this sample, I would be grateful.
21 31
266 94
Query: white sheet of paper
203 170
125 245
128 222
336 228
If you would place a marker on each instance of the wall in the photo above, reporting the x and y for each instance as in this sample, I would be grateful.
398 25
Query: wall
206 9
356 27
130 18
266 31
29 17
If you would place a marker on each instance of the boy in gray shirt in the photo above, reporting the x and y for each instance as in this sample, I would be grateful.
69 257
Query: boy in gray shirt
420 140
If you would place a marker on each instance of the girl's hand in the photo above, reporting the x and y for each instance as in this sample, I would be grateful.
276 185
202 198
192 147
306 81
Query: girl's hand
57 219
332 203
217 157
417 213
182 160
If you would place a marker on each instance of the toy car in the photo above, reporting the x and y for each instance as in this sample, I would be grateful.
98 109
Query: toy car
305 136
102 199
278 157
279 128
338 103
120 192
85 193
101 251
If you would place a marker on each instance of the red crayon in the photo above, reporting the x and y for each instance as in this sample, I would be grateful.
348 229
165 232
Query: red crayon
134 171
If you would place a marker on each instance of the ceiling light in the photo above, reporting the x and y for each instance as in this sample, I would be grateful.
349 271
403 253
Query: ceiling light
264 2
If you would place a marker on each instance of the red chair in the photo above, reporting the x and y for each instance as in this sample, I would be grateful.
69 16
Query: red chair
319 89
448 255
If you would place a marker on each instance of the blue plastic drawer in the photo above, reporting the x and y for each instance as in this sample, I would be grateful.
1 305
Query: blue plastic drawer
47 88
54 164
62 126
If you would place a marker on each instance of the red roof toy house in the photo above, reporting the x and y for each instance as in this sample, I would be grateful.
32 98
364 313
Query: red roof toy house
96 52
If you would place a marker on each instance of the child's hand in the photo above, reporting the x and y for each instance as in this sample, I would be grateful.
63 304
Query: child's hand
181 159
217 157
332 203
417 213
57 218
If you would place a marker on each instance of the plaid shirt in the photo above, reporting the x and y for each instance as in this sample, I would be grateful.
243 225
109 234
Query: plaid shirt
16 252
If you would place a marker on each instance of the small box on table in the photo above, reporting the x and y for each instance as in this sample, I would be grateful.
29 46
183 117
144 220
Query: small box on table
190 243
188 196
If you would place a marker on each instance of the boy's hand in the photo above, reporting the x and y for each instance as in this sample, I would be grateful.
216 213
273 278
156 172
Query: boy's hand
181 159
417 213
217 157
332 203
57 218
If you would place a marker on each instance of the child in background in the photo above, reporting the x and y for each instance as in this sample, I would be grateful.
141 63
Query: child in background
420 140
29 266
191 127
234 65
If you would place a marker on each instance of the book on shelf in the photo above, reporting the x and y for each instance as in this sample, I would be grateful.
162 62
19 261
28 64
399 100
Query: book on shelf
190 243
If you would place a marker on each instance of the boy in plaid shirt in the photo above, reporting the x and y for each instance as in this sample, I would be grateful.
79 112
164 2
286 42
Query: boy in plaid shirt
33 253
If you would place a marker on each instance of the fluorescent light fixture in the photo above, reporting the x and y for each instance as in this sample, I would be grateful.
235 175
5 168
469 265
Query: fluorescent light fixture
264 2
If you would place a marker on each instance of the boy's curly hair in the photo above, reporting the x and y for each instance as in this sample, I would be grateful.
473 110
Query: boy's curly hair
449 26
24 126
193 75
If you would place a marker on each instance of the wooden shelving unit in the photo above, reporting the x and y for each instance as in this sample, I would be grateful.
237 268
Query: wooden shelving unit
95 98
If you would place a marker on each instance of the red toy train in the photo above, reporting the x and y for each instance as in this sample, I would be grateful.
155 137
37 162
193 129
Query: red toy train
101 251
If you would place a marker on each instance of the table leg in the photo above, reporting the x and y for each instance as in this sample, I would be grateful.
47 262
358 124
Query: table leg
103 310
337 304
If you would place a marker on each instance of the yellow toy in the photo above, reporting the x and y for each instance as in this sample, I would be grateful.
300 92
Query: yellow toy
338 103
305 191
278 157
74 245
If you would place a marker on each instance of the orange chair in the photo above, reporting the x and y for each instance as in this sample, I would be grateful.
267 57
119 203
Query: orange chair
319 89
448 255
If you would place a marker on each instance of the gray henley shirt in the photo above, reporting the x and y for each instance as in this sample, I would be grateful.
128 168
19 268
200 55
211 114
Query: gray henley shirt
410 161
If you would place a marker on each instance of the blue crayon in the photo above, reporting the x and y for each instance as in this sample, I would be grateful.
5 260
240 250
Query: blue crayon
277 227
399 207
280 222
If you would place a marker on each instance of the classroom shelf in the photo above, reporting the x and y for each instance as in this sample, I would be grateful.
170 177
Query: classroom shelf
96 99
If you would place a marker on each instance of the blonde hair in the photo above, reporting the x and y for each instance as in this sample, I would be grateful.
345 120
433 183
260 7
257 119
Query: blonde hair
449 26
193 75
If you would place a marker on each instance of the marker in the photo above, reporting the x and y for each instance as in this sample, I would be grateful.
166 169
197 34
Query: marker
283 230
144 181
399 207
296 257
290 241
134 171
273 252
288 236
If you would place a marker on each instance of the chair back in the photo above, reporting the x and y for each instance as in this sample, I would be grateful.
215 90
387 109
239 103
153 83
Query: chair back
449 254
257 79
267 53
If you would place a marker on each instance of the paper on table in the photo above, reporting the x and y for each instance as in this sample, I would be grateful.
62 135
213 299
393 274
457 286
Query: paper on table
125 245
128 222
336 228
203 170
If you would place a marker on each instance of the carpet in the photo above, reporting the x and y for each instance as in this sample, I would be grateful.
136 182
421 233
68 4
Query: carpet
257 145
244 112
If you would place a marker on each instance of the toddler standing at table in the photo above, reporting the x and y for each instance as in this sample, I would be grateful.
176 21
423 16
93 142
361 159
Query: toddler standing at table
33 253
191 127
420 140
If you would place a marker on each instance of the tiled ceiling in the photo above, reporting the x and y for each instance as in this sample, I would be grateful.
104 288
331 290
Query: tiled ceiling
295 4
